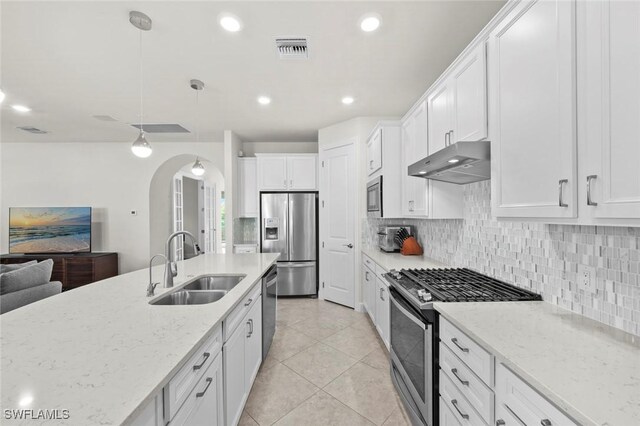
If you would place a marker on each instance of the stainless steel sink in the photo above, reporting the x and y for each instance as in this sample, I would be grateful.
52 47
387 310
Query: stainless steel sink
215 282
190 297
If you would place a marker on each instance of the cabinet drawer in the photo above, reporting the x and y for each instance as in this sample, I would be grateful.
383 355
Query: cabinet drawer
380 271
368 262
524 402
461 408
181 385
447 418
204 404
235 317
474 389
472 354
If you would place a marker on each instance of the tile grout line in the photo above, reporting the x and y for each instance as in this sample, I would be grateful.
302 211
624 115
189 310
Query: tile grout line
302 402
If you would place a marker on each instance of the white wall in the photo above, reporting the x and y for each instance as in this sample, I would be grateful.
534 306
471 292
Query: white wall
105 176
357 129
251 148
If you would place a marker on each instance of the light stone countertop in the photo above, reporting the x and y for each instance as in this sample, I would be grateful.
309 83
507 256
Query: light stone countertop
397 261
102 351
589 370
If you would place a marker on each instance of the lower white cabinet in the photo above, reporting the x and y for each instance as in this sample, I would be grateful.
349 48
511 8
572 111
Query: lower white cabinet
382 310
242 356
151 414
204 406
447 417
369 291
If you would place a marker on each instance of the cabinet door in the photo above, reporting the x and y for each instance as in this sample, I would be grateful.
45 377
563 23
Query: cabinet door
248 187
374 152
204 407
532 111
504 417
414 148
447 418
469 103
610 67
382 311
151 414
302 172
253 343
272 173
369 292
235 389
440 121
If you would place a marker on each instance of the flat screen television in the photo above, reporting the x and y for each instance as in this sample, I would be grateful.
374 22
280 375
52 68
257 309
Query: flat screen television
49 230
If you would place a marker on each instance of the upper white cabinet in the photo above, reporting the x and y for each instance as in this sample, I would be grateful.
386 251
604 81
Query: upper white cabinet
609 95
247 187
414 148
284 172
374 152
532 116
439 106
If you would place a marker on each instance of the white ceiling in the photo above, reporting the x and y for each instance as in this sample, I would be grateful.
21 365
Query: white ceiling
72 60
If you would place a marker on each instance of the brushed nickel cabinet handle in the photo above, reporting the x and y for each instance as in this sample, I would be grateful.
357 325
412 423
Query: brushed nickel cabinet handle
545 422
455 373
248 302
201 394
590 202
446 139
500 422
561 183
199 366
462 348
248 332
366 275
455 405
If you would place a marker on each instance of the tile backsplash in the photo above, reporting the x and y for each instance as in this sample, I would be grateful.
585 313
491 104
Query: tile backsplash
540 257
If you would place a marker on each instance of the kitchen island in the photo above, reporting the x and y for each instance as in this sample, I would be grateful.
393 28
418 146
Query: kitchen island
102 352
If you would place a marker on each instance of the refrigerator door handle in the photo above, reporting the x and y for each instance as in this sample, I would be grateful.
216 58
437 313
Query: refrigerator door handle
299 265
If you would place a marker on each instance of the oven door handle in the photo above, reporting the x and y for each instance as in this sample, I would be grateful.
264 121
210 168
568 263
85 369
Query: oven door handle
408 314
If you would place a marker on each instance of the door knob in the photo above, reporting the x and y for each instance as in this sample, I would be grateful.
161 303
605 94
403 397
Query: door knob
348 245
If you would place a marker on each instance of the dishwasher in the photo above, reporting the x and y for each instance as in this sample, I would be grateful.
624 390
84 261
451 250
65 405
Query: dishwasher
269 305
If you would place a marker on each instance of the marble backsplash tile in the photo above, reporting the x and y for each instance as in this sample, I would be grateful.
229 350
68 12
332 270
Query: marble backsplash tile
541 257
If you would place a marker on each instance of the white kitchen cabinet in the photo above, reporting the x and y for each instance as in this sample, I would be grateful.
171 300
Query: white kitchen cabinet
609 84
302 172
468 84
447 417
382 310
439 112
242 356
414 148
374 152
284 172
204 406
532 111
151 414
247 187
245 248
369 291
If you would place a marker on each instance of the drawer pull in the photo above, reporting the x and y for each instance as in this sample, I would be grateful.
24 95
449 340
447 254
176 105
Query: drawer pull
199 366
455 373
500 422
249 332
248 302
201 394
462 348
545 422
455 405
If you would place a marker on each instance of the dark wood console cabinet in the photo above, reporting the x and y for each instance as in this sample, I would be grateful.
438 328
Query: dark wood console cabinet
73 270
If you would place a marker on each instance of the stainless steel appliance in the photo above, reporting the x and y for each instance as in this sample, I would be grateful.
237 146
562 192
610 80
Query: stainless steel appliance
289 227
269 306
386 237
414 338
461 163
374 198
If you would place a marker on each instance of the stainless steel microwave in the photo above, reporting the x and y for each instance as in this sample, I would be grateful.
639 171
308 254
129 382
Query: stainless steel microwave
374 197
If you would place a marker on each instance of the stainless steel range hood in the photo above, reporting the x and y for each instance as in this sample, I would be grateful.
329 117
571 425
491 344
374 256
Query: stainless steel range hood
461 163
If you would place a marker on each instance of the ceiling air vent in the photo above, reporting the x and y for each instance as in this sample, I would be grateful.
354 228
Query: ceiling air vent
292 47
34 130
161 128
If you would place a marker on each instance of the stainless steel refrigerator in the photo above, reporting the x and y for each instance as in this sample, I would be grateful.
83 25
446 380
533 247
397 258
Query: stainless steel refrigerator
288 224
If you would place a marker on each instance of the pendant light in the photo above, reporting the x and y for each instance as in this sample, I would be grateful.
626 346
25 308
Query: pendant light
141 147
197 85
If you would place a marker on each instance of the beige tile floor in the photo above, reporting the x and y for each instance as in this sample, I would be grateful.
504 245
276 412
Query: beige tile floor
326 366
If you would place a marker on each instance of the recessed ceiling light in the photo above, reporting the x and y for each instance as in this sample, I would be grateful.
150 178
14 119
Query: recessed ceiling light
1 96
454 160
347 100
264 100
230 23
370 23
21 108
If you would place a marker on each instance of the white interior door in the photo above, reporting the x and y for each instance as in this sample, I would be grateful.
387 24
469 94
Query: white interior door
178 215
337 221
208 211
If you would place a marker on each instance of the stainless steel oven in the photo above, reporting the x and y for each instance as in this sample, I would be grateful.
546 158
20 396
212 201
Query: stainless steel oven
374 197
412 355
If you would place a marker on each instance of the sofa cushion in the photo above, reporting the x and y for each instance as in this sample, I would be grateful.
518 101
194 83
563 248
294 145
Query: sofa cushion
26 277
17 299
13 266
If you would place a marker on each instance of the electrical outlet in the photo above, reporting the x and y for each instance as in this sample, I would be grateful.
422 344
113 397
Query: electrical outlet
586 277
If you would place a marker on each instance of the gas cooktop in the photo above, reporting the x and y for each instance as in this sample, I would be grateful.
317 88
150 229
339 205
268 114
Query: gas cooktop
422 287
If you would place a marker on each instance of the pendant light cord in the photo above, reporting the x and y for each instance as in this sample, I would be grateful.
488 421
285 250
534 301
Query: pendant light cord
141 103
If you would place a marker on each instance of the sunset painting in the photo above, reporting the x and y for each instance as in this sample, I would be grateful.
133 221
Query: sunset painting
49 229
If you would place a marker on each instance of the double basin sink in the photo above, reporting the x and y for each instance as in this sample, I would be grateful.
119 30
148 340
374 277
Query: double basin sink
200 291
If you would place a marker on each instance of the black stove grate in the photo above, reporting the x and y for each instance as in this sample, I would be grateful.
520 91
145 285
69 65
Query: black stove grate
465 285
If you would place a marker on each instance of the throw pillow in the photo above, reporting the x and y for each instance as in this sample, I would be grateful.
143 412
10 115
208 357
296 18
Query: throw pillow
26 277
13 266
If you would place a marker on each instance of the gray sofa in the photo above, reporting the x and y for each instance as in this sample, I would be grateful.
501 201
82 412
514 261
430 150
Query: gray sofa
25 283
